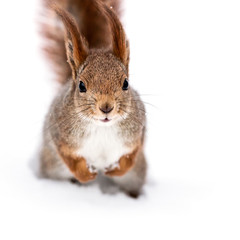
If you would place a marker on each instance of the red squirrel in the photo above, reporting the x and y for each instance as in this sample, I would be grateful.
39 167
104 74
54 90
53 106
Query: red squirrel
96 123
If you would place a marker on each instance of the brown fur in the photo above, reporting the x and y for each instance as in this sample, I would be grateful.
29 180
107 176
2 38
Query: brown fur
91 23
120 45
74 113
77 165
75 44
126 162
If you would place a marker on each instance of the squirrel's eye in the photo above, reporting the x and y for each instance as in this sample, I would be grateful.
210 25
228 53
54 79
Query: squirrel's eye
125 85
82 87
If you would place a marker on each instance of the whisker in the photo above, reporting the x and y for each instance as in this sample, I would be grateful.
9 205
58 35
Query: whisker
136 100
134 117
87 104
76 116
133 107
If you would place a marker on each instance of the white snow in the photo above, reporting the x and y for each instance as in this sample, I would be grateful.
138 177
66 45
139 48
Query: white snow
185 60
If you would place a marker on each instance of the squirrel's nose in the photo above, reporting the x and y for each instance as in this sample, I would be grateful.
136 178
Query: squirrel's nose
106 108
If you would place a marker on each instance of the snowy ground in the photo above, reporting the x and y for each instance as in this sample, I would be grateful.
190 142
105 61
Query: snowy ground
185 61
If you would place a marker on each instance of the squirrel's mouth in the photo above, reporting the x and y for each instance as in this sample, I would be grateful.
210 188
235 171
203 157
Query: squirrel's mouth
105 120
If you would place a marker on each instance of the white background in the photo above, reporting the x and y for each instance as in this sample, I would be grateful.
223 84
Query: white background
185 58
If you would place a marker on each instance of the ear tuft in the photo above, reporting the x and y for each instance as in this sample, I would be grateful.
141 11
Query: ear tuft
76 46
120 44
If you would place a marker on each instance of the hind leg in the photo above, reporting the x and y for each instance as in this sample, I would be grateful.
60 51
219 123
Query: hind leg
134 179
51 166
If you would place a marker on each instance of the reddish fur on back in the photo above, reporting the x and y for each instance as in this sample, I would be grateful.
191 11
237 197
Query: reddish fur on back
91 23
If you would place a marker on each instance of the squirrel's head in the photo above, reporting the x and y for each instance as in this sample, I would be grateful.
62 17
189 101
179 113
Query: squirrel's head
100 77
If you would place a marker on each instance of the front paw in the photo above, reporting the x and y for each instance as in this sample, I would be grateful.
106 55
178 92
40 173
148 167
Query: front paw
116 172
91 168
112 167
123 166
84 173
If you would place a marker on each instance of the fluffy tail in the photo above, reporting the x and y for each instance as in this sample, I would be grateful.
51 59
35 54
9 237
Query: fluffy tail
91 24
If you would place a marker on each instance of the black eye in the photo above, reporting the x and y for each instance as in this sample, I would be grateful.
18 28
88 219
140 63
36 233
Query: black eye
125 85
82 87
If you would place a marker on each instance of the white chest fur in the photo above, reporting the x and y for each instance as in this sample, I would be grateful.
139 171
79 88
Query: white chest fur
103 147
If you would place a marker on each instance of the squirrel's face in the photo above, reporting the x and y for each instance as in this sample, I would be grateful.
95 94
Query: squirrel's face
102 92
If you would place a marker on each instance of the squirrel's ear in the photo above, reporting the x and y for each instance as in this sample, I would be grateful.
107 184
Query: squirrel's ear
76 46
127 54
120 44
